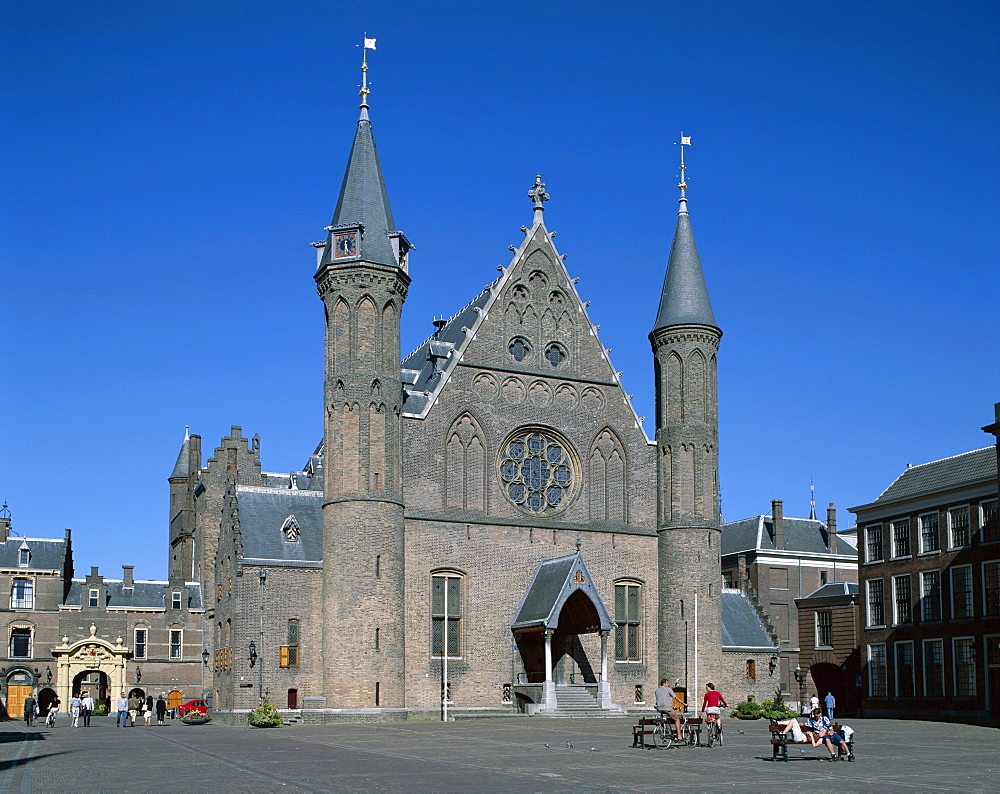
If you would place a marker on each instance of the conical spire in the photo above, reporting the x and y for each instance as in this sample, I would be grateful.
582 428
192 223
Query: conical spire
183 457
684 300
363 199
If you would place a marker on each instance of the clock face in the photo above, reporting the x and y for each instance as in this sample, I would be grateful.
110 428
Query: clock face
345 245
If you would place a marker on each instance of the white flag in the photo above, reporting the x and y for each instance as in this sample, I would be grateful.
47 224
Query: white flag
369 44
685 141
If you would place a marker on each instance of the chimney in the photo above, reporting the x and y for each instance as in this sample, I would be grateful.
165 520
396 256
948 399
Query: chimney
831 528
127 576
742 568
93 571
778 522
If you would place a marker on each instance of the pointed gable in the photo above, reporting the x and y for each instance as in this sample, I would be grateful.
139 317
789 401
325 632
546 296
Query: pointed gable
554 583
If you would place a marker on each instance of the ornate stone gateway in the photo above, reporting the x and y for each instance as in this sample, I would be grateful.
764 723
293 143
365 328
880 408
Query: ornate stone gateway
90 654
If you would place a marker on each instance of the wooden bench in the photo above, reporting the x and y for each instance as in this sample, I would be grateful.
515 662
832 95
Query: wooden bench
780 741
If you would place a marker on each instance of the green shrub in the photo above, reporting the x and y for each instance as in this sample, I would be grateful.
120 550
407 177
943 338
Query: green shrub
748 709
100 708
264 716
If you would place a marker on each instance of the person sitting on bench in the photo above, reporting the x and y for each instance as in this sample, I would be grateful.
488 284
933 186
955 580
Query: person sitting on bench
665 706
824 730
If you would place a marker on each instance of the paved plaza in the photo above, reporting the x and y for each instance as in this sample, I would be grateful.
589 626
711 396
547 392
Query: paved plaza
493 754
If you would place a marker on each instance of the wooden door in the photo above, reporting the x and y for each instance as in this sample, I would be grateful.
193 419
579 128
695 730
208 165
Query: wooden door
175 699
16 695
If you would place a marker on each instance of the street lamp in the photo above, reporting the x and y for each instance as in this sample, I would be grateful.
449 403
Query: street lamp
800 678
204 665
253 653
48 674
772 664
204 656
262 575
138 674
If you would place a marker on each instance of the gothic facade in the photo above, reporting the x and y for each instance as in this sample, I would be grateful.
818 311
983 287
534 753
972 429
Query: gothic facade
485 524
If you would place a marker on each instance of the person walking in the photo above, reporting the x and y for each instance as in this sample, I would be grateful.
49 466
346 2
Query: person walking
147 710
133 708
87 708
161 710
29 710
75 704
121 704
831 703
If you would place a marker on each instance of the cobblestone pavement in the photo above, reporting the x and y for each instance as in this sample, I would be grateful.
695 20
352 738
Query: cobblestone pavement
492 754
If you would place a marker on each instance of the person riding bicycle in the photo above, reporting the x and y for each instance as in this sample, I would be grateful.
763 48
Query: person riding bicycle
713 702
665 698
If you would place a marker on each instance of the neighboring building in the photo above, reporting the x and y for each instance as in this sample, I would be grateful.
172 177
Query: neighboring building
776 560
828 644
66 635
930 584
491 507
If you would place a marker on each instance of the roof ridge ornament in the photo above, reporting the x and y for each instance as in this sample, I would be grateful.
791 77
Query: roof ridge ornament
367 44
538 195
682 184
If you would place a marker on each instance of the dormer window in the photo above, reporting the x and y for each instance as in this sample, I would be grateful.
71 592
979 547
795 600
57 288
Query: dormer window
23 557
94 596
290 529
175 599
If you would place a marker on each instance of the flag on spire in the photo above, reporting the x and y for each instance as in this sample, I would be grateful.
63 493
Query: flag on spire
685 141
369 44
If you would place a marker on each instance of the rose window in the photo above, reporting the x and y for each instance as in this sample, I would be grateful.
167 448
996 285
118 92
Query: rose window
537 472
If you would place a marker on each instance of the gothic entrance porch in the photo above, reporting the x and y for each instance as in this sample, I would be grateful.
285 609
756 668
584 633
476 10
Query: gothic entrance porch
561 638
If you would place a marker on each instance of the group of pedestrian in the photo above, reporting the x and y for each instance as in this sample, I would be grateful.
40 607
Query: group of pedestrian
829 703
134 706
81 706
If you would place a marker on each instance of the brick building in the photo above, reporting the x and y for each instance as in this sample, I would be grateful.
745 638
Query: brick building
105 636
929 548
491 507
777 559
828 645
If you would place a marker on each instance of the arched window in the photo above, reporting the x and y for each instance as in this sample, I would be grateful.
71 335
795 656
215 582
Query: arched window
751 669
288 655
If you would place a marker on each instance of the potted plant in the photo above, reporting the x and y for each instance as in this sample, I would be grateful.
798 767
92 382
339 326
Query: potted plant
776 709
196 717
264 716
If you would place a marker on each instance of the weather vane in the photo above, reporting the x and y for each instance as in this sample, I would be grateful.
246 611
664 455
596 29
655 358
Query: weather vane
367 44
685 141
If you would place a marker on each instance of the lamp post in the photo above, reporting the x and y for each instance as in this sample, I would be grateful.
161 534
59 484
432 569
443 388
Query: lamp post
48 674
800 679
204 664
262 575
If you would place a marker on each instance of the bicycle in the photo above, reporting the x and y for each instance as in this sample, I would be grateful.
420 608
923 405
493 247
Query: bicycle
664 735
714 725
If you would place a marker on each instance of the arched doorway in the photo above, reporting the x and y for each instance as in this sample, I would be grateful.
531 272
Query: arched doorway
45 698
93 683
91 655
831 678
19 686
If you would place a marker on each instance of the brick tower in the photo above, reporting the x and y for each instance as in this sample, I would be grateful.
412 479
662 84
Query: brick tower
685 339
362 280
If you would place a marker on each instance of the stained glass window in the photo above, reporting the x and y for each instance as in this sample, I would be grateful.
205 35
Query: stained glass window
536 472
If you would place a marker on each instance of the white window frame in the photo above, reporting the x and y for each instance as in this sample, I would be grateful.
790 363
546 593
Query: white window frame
986 612
24 558
971 592
920 526
136 643
94 597
913 669
28 602
968 528
871 670
869 529
895 600
180 645
923 664
923 595
981 512
816 638
175 599
868 603
909 541
954 665
31 642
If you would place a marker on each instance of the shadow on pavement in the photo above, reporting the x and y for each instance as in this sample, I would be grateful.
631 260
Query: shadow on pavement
19 736
5 765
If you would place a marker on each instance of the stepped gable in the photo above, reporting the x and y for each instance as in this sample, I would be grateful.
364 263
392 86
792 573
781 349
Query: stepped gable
979 464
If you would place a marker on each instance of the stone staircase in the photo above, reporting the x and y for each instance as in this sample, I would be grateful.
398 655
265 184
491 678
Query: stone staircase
576 701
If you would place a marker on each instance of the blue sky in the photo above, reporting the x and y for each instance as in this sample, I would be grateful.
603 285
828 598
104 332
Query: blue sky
164 167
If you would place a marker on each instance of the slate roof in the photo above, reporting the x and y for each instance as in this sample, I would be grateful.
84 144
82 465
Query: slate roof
551 586
834 590
423 369
801 535
262 514
979 464
741 625
46 554
684 299
364 200
142 595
